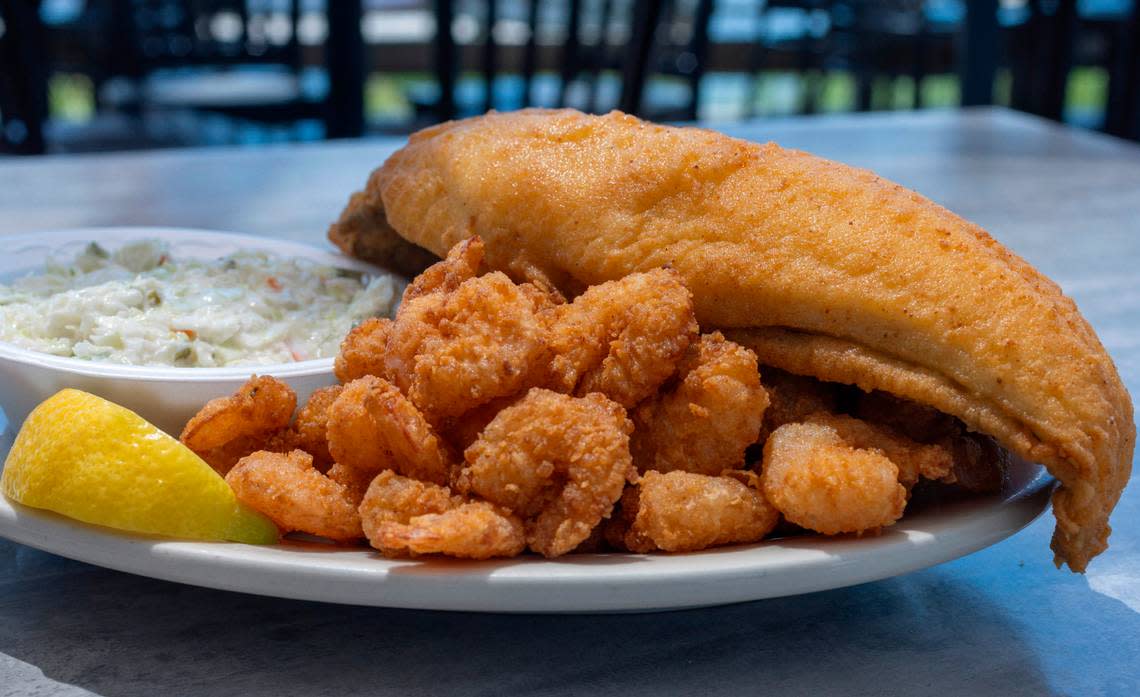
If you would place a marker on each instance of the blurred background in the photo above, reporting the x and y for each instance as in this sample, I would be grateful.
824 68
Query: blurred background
96 75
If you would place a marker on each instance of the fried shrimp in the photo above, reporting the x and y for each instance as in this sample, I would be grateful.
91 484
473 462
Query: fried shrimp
686 512
820 482
362 351
453 352
462 263
373 427
286 488
311 425
459 341
354 481
228 428
404 516
394 500
914 460
558 462
705 421
622 338
473 530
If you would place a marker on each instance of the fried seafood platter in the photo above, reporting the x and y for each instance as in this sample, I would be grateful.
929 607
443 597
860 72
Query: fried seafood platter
490 418
610 283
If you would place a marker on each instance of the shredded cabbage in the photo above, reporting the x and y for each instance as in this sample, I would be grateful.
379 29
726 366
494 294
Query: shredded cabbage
138 305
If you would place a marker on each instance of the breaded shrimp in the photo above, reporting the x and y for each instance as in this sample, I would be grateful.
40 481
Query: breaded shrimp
704 421
354 481
402 516
821 483
686 512
558 462
311 425
459 341
394 500
453 351
228 428
622 338
286 488
791 398
914 460
473 530
373 427
362 350
462 262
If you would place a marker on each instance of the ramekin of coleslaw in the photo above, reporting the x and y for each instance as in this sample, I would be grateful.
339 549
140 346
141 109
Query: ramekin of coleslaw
161 320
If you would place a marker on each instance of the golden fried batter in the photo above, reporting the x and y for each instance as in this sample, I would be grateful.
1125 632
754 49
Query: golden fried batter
311 424
254 418
827 270
362 350
914 460
822 483
451 352
462 431
404 516
622 338
459 340
558 462
373 427
354 481
295 496
687 512
704 422
362 232
979 462
462 263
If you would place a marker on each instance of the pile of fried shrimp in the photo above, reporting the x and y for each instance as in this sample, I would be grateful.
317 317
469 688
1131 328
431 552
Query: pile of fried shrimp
489 418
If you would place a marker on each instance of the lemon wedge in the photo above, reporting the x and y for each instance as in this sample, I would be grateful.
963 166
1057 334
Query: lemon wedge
89 459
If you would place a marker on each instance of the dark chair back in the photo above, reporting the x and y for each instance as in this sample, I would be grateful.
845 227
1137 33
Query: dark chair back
1040 54
23 78
603 36
679 50
177 33
159 34
1122 112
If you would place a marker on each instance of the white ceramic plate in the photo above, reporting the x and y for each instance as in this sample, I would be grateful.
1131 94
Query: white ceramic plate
577 583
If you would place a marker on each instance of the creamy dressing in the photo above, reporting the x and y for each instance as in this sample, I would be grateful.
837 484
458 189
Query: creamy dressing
139 305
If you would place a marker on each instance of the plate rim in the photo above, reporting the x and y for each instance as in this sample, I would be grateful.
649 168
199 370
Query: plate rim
576 584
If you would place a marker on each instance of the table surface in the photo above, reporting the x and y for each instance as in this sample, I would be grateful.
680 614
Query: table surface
1001 622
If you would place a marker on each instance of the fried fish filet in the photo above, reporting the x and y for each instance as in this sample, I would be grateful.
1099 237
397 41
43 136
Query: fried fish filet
822 269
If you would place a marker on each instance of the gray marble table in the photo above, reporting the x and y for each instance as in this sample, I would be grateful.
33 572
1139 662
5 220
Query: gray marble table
999 622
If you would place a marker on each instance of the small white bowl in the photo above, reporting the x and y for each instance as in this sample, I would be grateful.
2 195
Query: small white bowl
165 396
